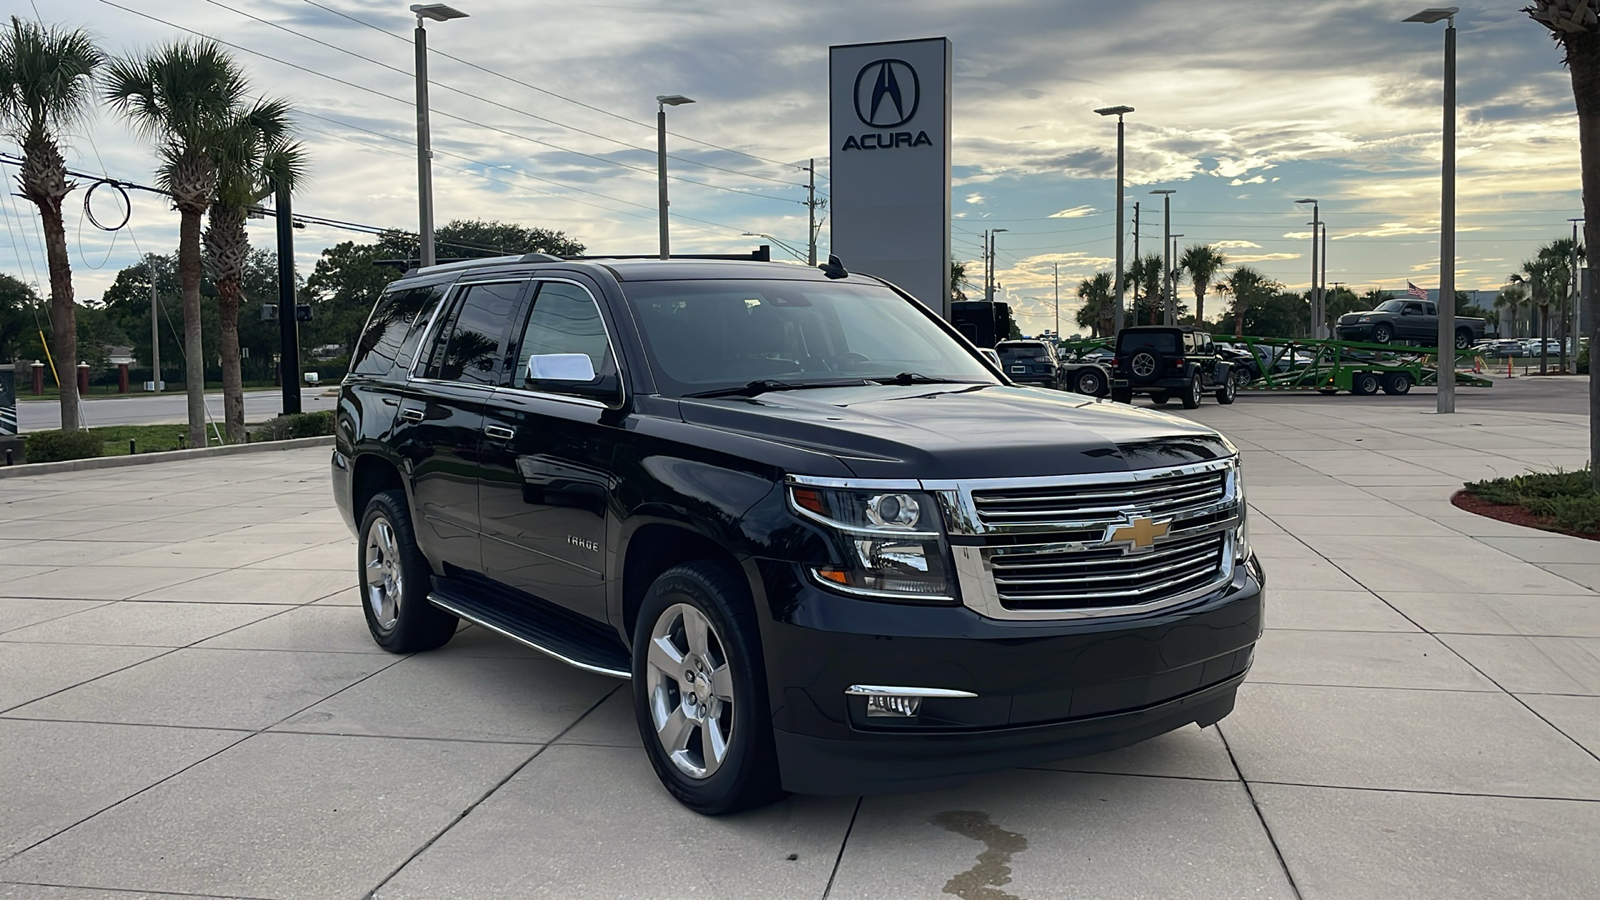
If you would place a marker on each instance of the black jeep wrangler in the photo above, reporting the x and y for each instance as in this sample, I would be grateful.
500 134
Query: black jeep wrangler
834 550
1164 361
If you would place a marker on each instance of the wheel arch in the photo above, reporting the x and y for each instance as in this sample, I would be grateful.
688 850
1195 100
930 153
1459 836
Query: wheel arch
658 544
371 473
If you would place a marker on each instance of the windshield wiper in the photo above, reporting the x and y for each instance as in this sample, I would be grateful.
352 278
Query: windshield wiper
919 378
764 385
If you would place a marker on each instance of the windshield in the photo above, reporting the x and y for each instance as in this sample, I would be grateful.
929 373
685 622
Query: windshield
1391 306
704 336
1024 353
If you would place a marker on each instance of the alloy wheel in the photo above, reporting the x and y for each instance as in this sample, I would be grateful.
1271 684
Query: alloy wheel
690 687
384 579
1143 364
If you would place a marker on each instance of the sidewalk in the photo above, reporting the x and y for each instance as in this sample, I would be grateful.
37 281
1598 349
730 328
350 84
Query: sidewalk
189 703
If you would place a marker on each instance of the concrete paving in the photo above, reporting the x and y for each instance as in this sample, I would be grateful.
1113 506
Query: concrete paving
166 408
190 705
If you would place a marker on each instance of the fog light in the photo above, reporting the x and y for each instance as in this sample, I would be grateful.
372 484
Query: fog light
896 707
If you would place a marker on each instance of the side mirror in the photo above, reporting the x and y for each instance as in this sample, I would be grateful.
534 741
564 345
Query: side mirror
560 367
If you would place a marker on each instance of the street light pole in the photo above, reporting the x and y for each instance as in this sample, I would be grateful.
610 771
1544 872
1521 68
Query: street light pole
1117 313
1447 211
438 12
1314 295
1166 252
662 102
989 290
1573 323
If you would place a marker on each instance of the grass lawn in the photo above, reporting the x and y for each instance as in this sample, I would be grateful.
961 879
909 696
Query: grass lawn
148 438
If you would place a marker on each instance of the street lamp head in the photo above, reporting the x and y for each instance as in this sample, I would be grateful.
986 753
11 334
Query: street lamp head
1114 110
998 230
672 99
1436 14
1307 200
438 12
1166 191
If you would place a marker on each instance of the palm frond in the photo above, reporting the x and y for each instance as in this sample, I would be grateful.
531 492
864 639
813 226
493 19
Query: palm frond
46 77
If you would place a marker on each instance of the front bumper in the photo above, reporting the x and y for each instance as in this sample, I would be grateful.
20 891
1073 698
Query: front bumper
1044 690
1353 332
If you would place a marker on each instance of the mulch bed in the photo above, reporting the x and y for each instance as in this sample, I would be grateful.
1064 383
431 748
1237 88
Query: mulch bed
1515 515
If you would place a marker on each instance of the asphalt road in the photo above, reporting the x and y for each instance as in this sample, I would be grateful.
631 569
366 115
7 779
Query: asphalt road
159 409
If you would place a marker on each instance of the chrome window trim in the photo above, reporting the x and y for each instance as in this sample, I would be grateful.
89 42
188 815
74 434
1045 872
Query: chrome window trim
561 398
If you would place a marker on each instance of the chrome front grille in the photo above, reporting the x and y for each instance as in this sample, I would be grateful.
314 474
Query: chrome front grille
1034 577
1061 547
1161 495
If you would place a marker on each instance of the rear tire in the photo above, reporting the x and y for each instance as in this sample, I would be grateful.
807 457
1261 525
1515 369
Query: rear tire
1122 395
700 691
1365 384
1397 383
1160 398
394 580
1463 339
1191 396
1089 382
1230 389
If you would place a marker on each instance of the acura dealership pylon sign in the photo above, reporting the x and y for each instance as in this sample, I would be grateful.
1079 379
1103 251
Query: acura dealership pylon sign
889 156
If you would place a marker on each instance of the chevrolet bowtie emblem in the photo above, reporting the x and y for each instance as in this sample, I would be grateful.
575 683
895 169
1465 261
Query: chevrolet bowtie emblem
1139 533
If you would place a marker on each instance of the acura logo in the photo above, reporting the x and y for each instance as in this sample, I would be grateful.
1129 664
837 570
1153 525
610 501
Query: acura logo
887 93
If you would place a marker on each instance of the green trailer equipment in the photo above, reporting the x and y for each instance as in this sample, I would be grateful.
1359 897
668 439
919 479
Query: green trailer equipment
1329 367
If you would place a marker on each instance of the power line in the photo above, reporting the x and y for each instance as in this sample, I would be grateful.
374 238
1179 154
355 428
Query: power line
541 90
447 115
470 95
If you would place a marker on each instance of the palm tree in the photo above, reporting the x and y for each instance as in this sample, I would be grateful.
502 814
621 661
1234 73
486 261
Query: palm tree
254 157
185 97
1538 274
1575 25
1145 275
1559 255
1202 262
1096 313
46 82
1249 289
1510 299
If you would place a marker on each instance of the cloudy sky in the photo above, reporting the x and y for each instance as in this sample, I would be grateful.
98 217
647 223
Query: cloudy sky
543 115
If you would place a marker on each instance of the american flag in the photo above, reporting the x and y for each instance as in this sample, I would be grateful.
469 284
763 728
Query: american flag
1416 292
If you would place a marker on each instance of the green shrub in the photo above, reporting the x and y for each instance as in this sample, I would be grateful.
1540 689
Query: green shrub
1567 498
55 446
295 425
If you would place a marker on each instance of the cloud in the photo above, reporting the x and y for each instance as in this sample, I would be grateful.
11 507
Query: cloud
1263 257
1235 245
975 198
1077 212
1259 179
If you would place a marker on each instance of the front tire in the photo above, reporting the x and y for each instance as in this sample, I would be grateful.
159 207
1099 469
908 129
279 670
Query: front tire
395 579
1089 382
1382 333
699 691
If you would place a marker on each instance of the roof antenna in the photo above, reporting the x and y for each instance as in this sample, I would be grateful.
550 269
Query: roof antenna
834 268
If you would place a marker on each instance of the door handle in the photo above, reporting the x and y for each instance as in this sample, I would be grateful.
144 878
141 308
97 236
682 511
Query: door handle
411 414
500 432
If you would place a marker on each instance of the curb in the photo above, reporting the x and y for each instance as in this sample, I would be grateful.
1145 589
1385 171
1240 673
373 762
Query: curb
145 459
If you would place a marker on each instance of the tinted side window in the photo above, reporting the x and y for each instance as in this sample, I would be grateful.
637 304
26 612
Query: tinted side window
398 316
565 319
468 347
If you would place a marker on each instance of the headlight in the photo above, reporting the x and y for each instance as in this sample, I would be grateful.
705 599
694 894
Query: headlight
894 542
1241 534
1364 319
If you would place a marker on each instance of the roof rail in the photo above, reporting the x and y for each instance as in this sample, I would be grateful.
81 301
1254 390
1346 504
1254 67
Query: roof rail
761 254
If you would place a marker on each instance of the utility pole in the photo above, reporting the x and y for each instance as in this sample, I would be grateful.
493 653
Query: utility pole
1058 301
1322 292
1166 253
288 330
811 212
155 327
988 282
1136 260
1566 313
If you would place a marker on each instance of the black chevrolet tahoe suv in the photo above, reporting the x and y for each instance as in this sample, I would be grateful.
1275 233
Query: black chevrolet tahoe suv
835 551
1167 361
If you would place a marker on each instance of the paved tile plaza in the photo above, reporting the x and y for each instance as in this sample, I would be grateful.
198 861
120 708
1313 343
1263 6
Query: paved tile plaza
189 704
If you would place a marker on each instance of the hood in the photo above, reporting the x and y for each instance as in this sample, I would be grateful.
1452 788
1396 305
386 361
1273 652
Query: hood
963 431
1352 318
